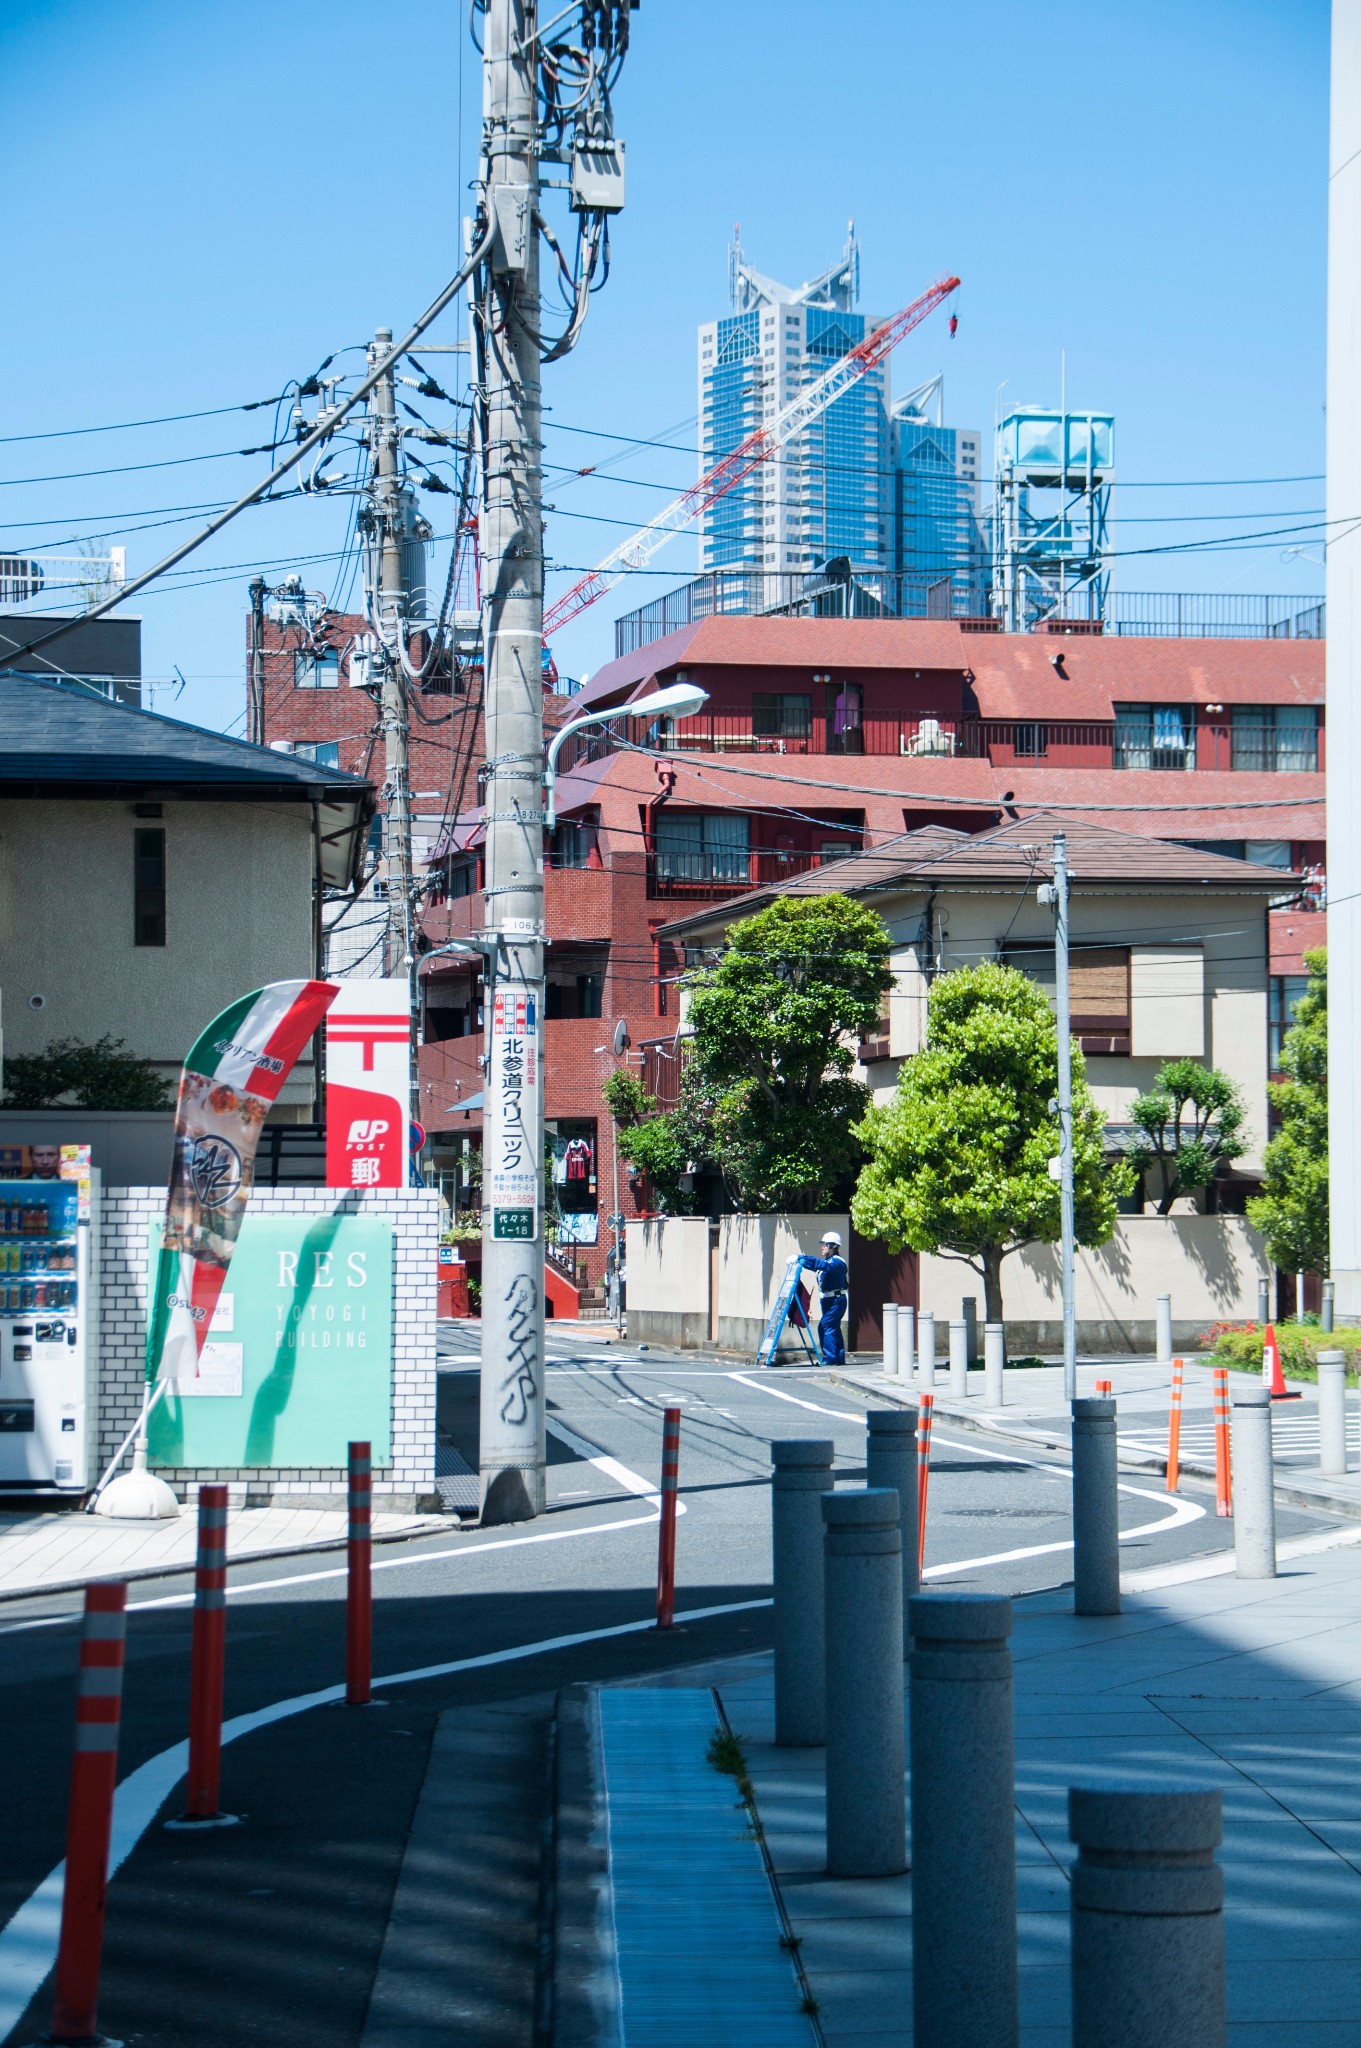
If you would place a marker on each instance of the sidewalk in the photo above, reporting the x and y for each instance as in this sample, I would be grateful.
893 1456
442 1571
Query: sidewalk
1255 1688
1036 1413
49 1553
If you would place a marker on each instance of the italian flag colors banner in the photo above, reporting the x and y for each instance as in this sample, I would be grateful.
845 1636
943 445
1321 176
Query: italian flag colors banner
233 1074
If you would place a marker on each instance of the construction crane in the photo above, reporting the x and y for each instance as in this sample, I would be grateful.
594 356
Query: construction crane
748 455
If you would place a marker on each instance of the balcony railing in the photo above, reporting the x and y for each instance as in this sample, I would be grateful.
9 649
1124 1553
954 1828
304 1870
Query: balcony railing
707 877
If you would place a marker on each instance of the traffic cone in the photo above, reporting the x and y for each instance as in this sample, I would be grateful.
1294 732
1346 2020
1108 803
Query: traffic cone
1272 1378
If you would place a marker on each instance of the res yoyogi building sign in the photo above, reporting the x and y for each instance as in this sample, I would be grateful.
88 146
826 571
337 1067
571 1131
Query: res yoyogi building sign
298 1359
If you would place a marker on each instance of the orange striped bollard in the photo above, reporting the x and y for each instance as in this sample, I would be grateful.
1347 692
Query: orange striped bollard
359 1582
1174 1428
1105 1390
208 1658
1223 1466
89 1821
927 1403
666 1527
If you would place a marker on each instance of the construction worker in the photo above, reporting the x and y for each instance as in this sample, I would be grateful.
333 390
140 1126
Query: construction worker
833 1278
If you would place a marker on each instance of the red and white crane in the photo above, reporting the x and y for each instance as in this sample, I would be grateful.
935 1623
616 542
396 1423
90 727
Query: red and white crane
748 455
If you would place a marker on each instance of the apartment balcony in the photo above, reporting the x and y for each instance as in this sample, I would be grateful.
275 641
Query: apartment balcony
709 877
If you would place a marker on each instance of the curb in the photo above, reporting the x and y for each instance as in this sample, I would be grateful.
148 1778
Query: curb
1289 1492
186 1567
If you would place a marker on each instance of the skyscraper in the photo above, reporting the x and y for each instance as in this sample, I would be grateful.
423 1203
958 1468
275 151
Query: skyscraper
939 551
827 493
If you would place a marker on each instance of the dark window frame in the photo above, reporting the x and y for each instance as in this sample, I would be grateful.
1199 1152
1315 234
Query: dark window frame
148 885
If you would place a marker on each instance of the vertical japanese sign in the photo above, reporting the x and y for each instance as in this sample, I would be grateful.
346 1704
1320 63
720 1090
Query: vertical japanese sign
514 1079
232 1076
368 1085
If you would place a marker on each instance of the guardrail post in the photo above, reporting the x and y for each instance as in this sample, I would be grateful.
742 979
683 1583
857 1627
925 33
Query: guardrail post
926 1349
1223 1460
890 1336
1332 1412
1174 1428
891 1461
89 1818
1164 1326
359 1580
1326 1312
964 1982
802 1475
1254 1504
968 1309
866 1799
1096 1509
1264 1302
208 1658
907 1340
1147 1919
666 1526
994 1364
959 1361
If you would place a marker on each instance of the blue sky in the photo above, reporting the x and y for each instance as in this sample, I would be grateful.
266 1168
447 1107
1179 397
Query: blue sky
204 202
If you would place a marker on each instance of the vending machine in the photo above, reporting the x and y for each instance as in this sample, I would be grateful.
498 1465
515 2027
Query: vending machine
47 1324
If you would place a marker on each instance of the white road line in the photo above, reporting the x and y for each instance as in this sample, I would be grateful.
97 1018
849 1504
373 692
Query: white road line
28 1945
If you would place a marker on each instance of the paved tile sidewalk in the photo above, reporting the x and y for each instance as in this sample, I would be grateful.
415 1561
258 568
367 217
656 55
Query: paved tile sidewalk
1254 1688
42 1553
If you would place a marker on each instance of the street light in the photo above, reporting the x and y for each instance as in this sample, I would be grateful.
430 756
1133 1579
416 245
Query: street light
679 700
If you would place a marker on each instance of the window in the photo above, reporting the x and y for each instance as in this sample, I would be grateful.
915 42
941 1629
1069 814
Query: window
845 710
1275 737
1268 853
1286 991
316 671
148 886
695 846
1153 736
326 753
783 714
573 842
1098 991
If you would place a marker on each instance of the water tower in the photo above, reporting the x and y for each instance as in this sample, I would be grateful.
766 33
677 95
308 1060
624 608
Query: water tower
1051 516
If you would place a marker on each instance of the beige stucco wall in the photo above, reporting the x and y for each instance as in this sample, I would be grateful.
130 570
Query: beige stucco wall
752 1255
667 1262
1225 1024
238 914
1209 1265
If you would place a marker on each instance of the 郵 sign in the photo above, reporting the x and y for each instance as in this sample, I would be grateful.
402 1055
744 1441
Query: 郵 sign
368 1085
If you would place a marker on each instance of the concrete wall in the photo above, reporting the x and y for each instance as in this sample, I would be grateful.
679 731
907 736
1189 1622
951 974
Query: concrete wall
125 1217
1210 1265
238 914
752 1254
668 1280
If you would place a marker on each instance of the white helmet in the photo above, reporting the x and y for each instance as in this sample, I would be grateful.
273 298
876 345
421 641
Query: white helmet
832 1237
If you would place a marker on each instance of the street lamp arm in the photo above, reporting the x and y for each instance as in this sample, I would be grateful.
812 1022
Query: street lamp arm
677 699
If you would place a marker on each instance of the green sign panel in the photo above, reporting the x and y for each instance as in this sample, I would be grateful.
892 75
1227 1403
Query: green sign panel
512 1223
299 1356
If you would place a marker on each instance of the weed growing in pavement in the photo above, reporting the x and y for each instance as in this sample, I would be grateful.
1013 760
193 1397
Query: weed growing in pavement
727 1755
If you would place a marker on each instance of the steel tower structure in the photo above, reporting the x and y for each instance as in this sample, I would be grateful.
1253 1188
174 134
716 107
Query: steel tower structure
1051 516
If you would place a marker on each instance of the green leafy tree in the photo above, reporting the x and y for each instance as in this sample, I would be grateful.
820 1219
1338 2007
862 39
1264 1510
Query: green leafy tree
1292 1210
767 1094
1187 1126
660 1146
959 1160
71 1073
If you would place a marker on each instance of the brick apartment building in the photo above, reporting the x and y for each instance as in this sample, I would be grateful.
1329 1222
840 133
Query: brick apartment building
825 736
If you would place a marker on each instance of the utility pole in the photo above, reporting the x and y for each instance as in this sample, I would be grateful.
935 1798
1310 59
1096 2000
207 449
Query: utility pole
389 525
1065 1111
255 708
512 1454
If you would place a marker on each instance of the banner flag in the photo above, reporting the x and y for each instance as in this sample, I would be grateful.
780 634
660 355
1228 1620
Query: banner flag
232 1075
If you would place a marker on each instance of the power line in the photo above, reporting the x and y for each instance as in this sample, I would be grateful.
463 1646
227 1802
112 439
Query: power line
169 419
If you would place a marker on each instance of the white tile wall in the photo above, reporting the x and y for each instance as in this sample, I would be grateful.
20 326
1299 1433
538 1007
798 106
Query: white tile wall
126 1213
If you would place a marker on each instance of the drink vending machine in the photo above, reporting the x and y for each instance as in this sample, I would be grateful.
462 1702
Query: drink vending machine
47 1348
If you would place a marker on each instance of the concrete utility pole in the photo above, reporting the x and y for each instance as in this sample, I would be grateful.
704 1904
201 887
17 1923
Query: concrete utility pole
512 1453
389 612
1060 900
255 719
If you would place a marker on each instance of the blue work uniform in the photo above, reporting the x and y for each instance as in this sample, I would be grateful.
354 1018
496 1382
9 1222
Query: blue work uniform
833 1279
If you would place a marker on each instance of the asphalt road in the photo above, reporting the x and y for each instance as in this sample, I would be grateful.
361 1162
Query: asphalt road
267 1932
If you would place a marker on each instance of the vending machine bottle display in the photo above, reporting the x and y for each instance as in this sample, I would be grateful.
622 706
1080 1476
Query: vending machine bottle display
45 1348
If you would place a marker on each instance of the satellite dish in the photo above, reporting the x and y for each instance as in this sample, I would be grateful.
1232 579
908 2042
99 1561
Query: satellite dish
622 1041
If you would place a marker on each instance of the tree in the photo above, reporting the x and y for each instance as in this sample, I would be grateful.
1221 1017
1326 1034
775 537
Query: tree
1188 1125
767 1095
1292 1210
664 1147
71 1073
959 1160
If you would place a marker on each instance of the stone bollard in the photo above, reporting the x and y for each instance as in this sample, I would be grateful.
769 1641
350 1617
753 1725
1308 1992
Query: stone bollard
1254 1500
926 1349
1332 1412
968 1308
866 1800
891 1461
802 1475
1147 1919
959 1361
890 1336
1096 1509
1264 1302
1326 1312
907 1341
964 1990
1164 1329
994 1364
